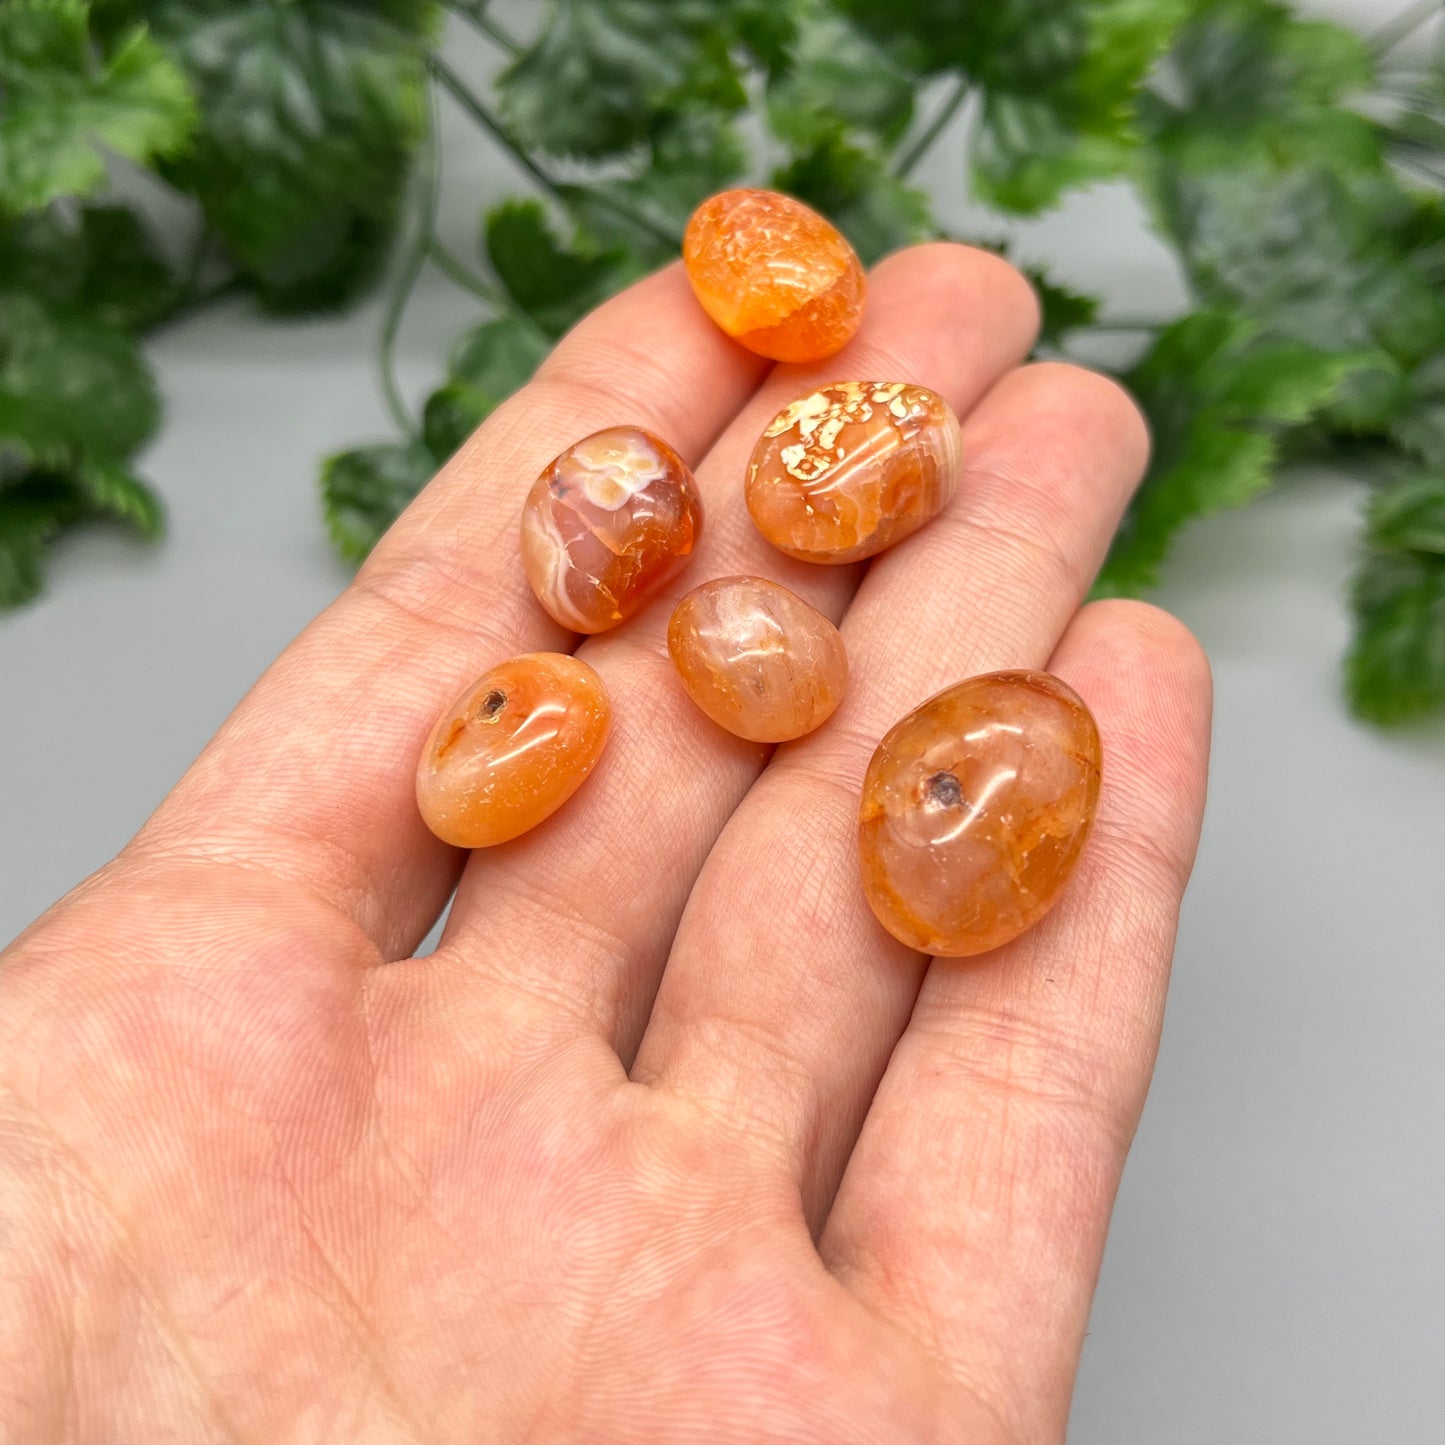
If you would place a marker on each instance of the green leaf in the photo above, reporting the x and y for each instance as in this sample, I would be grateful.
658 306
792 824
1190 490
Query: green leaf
1286 382
363 490
1395 670
852 186
1218 398
1409 514
836 79
1061 80
70 386
690 155
310 112
498 356
488 364
1027 154
66 103
552 283
328 263
1208 470
113 491
619 65
32 510
1307 255
1063 85
1420 424
97 260
451 414
1251 82
1061 309
127 281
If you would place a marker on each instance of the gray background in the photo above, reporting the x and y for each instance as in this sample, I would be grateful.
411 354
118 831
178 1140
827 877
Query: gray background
1276 1271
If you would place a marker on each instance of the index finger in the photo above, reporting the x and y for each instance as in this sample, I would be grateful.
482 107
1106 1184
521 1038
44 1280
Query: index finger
312 777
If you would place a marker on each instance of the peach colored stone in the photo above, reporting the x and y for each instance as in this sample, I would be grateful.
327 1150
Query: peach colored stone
610 521
975 809
774 275
757 659
512 749
850 469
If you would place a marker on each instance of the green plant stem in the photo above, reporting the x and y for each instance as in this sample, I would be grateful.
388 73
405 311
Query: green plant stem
414 259
920 148
480 112
474 12
460 274
485 117
1403 25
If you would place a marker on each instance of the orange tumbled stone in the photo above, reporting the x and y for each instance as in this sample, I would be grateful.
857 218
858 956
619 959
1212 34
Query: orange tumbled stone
610 521
757 659
850 469
774 275
512 749
975 809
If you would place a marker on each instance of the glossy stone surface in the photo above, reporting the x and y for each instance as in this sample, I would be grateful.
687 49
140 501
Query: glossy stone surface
757 659
512 749
850 469
774 274
610 521
975 809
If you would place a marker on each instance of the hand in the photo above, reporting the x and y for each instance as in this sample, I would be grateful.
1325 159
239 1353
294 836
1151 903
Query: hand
668 1141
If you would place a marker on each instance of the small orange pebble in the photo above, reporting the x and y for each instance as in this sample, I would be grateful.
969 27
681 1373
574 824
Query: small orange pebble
757 659
512 749
850 469
975 809
774 275
610 521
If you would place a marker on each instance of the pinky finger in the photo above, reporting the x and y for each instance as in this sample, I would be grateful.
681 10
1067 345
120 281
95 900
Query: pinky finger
975 1205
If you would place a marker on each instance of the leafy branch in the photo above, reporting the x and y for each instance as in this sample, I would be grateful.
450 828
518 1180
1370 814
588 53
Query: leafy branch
1294 168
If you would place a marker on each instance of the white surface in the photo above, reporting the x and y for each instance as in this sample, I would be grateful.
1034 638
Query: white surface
1276 1271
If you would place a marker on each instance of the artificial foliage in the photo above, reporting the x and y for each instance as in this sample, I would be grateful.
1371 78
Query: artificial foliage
1294 167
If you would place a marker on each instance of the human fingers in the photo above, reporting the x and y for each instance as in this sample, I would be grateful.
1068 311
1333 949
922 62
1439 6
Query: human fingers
312 777
583 910
784 997
974 1208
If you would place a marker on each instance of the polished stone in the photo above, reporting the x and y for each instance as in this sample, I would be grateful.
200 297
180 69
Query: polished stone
848 470
610 521
774 274
512 749
975 809
757 659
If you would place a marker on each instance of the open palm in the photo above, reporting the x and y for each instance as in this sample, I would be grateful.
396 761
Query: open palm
668 1141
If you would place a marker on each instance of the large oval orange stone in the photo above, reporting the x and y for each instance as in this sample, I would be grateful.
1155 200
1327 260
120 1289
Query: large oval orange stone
975 810
757 659
774 275
610 521
850 469
512 749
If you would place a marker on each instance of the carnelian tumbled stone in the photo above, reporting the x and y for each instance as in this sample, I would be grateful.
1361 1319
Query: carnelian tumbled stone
852 468
774 275
512 749
975 809
609 521
757 659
